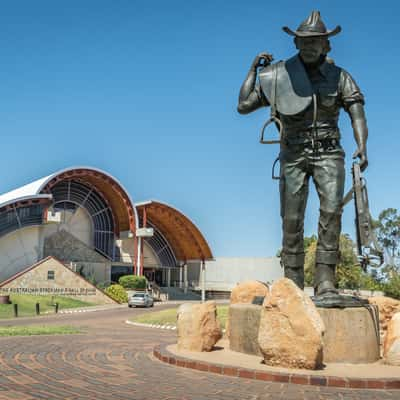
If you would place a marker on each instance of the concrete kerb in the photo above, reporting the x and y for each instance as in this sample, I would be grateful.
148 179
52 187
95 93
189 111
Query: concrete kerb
157 326
275 374
167 326
105 307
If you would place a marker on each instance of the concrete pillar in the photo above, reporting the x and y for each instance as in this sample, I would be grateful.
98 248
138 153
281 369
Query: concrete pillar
180 276
185 277
139 257
203 281
169 277
164 279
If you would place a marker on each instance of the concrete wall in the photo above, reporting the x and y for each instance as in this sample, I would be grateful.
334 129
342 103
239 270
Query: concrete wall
18 250
225 272
78 223
150 259
66 247
24 247
193 268
126 249
94 272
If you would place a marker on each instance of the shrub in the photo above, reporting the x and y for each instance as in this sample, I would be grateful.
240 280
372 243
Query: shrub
118 293
133 282
392 287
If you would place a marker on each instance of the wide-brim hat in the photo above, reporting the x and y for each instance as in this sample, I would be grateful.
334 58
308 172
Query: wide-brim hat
312 26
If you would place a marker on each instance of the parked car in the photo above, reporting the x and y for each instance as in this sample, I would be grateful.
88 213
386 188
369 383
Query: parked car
140 300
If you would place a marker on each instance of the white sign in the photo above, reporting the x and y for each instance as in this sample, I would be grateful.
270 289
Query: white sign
144 232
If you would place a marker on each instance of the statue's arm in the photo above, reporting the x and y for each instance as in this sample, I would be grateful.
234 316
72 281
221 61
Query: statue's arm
353 103
360 130
250 96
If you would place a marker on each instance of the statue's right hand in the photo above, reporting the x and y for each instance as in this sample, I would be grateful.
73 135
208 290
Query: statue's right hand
262 60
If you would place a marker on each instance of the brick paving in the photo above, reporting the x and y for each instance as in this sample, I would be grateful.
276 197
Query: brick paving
113 360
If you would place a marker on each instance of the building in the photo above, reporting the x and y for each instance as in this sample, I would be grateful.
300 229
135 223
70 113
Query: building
85 218
53 278
224 273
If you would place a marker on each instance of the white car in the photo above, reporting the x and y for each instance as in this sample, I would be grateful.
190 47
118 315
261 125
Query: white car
140 300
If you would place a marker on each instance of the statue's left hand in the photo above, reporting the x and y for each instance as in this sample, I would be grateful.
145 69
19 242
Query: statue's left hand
361 153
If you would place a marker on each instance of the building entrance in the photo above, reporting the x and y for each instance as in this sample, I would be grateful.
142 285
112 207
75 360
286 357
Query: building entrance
118 270
154 275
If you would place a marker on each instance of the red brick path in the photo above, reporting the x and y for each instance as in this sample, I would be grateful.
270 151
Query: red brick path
164 355
113 361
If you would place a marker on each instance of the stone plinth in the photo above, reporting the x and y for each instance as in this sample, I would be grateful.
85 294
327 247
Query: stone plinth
244 321
350 336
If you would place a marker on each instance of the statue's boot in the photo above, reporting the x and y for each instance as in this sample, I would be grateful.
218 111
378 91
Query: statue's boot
296 274
326 295
324 281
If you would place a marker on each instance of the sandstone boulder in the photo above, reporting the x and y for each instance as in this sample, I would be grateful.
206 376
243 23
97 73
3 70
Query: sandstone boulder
387 308
245 292
198 327
291 328
391 348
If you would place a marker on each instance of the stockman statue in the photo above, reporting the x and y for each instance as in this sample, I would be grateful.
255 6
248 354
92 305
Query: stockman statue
306 93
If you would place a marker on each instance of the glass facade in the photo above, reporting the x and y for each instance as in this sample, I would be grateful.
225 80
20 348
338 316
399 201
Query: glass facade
16 218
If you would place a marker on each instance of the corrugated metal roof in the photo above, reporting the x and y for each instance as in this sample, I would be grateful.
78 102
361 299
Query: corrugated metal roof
24 192
34 188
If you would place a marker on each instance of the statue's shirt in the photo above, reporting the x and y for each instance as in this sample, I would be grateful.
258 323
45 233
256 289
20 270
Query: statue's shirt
331 87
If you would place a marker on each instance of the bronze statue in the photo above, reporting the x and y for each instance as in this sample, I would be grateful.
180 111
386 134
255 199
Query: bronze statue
306 93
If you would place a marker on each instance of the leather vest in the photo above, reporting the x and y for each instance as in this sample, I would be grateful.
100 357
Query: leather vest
293 90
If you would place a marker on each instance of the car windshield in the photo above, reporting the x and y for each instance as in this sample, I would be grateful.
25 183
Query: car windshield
138 295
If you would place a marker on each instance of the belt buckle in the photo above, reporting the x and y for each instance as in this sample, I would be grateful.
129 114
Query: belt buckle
316 144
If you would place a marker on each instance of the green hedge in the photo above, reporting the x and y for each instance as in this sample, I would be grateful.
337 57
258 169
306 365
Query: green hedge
133 282
392 287
118 293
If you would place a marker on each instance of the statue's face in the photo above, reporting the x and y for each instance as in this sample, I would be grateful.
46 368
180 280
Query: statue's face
311 48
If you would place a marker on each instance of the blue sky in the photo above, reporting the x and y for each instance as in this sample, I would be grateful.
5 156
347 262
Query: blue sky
148 91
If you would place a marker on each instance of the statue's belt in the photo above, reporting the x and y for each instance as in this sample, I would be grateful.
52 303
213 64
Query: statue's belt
296 137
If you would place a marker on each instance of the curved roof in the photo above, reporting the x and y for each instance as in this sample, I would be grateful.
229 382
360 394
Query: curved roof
185 238
114 193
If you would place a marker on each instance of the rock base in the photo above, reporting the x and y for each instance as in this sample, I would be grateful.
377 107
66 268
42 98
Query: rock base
244 321
351 335
291 328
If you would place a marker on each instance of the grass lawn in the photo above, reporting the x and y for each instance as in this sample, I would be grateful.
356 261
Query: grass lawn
168 317
26 304
37 330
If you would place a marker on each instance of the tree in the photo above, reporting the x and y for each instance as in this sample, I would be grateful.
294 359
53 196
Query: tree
349 274
387 229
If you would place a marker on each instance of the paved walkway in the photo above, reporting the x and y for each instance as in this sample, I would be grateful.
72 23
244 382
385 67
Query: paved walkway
113 360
